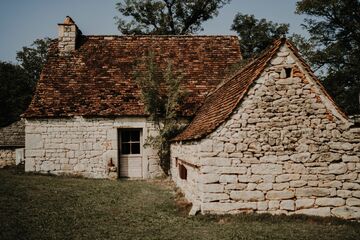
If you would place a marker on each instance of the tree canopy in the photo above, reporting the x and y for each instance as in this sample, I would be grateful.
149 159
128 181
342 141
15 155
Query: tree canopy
165 17
256 35
334 47
15 92
17 82
33 58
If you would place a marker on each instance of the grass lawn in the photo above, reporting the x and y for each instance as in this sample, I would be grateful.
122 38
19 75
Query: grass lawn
47 207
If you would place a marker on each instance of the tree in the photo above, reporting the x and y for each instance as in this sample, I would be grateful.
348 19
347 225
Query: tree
165 17
256 35
15 92
162 96
33 58
17 82
334 47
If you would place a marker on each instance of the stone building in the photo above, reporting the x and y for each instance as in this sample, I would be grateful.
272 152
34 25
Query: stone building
12 142
270 140
87 117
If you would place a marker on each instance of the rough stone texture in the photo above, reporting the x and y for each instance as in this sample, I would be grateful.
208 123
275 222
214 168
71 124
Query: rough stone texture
295 152
82 146
7 157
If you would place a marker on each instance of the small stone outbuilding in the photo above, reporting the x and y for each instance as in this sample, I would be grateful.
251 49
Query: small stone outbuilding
12 142
87 116
270 140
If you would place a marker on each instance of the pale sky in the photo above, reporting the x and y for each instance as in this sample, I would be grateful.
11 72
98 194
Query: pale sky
23 21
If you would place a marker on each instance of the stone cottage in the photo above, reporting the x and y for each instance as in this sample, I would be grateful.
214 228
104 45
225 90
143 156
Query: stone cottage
270 140
87 117
12 142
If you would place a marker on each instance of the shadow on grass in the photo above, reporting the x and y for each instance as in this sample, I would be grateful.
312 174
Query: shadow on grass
34 206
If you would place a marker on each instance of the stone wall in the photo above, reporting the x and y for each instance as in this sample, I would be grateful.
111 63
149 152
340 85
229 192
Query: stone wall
82 146
286 149
7 157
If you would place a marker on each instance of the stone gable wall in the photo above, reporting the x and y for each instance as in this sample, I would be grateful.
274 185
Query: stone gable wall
286 149
80 146
7 157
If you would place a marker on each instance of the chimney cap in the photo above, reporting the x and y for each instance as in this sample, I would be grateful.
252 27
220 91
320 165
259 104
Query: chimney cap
67 21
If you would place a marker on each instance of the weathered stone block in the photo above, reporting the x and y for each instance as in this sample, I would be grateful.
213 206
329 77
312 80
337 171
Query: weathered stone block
347 158
274 204
281 186
343 193
322 212
269 159
337 168
247 195
279 195
235 186
301 157
262 206
287 177
315 192
340 145
353 186
264 186
331 202
206 145
215 161
298 183
228 178
229 147
346 212
287 205
33 141
353 202
355 193
211 188
295 168
266 169
218 146
209 178
211 197
304 203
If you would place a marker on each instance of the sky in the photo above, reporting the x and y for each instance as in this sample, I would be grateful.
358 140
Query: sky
23 21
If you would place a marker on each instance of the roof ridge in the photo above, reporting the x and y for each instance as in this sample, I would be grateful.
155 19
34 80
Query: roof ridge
271 50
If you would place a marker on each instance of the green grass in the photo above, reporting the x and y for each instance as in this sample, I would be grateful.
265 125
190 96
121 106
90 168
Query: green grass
47 207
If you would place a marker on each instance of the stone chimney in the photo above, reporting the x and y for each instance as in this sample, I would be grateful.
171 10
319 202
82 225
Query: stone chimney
68 33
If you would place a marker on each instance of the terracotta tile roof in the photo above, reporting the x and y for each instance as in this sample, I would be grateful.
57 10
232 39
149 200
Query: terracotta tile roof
13 135
223 101
98 78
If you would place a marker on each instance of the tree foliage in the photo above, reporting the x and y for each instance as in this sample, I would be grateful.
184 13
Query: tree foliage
256 35
15 92
17 82
334 46
165 17
33 58
162 96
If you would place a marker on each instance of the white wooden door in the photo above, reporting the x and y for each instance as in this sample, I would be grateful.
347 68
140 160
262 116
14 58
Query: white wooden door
130 153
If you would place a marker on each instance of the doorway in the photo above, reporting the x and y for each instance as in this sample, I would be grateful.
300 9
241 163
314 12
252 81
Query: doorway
130 152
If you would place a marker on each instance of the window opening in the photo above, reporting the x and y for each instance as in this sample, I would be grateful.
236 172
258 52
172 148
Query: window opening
288 72
182 172
130 141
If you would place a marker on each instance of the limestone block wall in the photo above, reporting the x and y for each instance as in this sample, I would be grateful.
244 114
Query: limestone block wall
7 157
188 156
82 146
286 149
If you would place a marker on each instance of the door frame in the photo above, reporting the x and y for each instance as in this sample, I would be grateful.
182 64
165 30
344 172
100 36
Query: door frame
141 155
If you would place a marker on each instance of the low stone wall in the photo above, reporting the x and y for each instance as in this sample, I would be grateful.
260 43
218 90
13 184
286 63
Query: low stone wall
82 146
7 157
285 149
